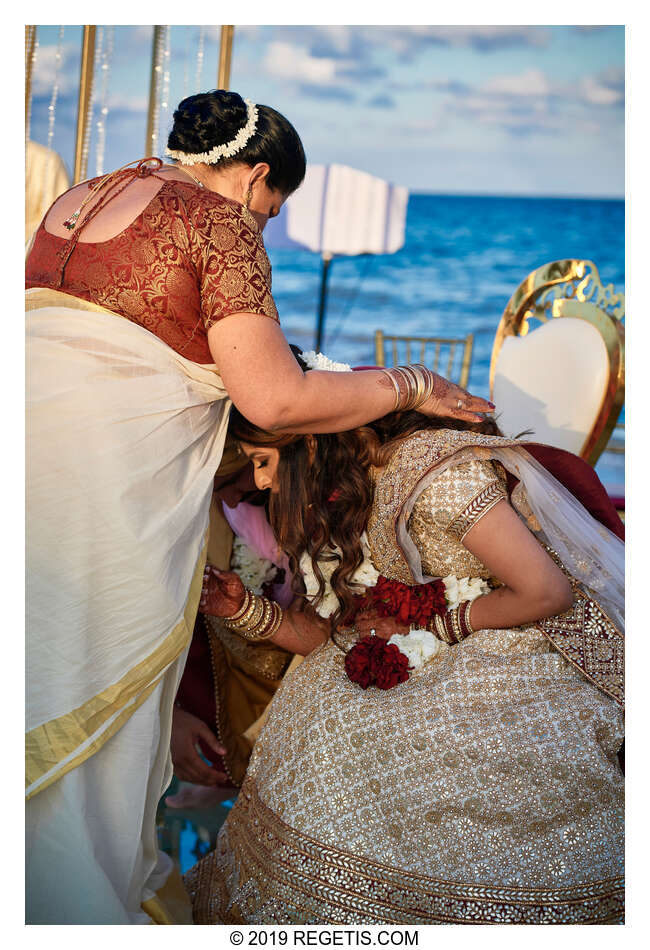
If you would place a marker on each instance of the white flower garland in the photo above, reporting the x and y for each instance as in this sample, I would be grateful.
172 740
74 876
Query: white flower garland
365 576
418 646
319 361
253 570
227 150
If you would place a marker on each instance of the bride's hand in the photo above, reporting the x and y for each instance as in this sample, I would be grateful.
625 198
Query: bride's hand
222 593
383 627
450 401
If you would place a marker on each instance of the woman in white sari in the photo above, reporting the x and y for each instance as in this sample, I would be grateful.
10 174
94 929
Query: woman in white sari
466 772
149 308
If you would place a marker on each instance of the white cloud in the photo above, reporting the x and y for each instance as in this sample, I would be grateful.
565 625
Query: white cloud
594 90
125 103
293 62
45 70
532 82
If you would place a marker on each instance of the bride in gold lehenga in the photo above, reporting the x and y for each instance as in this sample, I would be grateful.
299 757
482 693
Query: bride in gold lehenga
486 787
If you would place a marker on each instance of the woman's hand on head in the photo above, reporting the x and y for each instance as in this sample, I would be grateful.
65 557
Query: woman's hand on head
452 402
222 593
268 387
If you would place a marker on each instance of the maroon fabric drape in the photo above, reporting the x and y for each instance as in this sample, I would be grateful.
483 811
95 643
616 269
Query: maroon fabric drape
581 480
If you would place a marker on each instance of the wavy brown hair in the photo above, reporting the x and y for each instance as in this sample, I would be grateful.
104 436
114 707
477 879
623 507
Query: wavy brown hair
325 490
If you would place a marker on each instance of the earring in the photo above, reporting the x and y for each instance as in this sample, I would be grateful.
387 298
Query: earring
247 199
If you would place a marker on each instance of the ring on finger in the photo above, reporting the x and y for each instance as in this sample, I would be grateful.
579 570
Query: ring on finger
373 632
459 404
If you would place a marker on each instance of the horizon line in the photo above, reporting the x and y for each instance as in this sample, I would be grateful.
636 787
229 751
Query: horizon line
514 194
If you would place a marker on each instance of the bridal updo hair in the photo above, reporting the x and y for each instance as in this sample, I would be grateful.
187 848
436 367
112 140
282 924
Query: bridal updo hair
214 118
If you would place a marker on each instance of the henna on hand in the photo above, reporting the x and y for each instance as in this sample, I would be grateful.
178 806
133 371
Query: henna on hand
222 593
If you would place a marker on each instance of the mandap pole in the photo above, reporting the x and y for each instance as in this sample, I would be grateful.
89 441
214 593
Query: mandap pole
225 55
151 140
327 260
83 107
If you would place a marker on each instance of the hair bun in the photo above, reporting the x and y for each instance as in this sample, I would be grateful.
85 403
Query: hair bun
207 119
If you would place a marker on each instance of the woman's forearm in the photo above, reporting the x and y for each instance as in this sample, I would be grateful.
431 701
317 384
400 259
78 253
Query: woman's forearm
270 389
301 631
330 402
504 608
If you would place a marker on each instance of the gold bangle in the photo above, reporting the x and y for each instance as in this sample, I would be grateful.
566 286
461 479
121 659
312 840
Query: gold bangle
251 617
274 623
441 630
245 619
455 624
403 387
241 610
428 381
395 384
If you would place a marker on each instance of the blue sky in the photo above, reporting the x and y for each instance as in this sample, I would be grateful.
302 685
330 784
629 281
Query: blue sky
463 109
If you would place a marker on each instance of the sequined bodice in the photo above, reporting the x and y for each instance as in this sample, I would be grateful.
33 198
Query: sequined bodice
454 500
446 510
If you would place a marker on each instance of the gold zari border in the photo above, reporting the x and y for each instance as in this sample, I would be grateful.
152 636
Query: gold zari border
264 871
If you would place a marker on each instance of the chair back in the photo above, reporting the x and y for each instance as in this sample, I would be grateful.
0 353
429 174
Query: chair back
558 359
452 357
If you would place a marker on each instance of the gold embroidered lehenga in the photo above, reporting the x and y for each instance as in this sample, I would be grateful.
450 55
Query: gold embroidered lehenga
486 788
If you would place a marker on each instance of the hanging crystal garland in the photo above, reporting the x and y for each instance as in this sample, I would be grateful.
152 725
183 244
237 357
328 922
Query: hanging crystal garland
31 50
199 60
106 60
163 121
186 70
99 46
51 109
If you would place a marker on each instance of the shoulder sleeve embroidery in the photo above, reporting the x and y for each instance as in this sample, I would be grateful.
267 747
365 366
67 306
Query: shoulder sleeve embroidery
235 272
462 494
483 502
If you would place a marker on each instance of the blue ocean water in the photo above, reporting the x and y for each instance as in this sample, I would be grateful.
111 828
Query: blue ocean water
462 259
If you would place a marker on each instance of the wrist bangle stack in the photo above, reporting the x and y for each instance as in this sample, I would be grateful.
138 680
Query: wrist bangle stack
463 618
454 625
413 385
258 618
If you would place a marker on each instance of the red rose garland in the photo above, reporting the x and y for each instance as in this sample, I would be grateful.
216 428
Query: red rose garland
406 604
374 662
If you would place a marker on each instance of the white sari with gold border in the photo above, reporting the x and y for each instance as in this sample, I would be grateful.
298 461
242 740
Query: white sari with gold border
124 438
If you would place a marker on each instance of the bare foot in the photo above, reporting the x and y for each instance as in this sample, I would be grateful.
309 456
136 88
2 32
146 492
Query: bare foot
200 796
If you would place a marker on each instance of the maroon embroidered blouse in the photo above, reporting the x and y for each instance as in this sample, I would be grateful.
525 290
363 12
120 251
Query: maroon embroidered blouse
189 259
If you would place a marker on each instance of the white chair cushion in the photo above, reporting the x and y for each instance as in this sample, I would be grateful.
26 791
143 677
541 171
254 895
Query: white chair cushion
552 381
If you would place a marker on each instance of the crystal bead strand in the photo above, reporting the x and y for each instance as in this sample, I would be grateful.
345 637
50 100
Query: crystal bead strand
199 60
107 57
51 109
186 68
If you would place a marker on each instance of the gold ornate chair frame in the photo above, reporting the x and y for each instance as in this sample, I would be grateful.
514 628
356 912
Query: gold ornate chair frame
572 288
382 339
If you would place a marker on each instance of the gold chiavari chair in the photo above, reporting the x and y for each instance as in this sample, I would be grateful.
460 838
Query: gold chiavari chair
452 357
558 360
